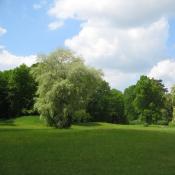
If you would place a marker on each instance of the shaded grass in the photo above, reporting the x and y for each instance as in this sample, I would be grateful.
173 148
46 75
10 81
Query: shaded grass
101 149
7 123
90 124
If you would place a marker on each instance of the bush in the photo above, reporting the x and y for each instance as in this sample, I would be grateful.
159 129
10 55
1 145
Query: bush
162 122
29 112
135 122
171 124
64 123
145 124
81 116
146 116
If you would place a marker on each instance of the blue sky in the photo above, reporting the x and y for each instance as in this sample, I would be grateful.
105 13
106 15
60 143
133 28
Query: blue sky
125 39
28 31
171 39
27 28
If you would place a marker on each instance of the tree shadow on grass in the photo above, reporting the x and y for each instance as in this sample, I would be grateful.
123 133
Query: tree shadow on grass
7 123
88 124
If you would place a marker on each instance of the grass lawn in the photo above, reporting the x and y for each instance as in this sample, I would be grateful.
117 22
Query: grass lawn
28 147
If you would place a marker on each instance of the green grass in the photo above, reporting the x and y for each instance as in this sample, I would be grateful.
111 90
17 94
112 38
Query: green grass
28 147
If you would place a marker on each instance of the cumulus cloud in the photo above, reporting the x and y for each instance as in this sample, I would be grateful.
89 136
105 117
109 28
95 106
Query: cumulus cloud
120 79
129 50
55 25
164 70
2 31
8 60
115 12
122 37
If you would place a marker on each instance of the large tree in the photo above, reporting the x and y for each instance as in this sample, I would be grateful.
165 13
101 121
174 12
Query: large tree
65 85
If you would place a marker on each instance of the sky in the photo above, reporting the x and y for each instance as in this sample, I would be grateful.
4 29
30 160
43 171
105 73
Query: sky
124 38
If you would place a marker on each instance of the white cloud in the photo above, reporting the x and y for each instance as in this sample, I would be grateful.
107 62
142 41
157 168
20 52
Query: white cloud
2 31
55 25
129 50
124 38
164 70
115 12
8 60
120 79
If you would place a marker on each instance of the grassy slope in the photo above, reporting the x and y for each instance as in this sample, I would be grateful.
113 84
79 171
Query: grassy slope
27 147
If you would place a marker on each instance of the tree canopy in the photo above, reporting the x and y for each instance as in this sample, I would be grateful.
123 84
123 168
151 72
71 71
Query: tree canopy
65 85
17 92
147 101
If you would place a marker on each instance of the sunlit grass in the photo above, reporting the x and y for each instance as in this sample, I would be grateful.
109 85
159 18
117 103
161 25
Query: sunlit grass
28 147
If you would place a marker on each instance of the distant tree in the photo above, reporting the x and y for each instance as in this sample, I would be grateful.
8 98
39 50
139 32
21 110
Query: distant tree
173 100
21 90
65 85
167 112
115 107
17 92
129 97
98 102
173 94
149 100
107 105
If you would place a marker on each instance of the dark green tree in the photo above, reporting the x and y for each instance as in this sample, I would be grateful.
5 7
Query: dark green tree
21 90
129 97
97 105
115 107
4 103
149 100
107 105
17 92
167 111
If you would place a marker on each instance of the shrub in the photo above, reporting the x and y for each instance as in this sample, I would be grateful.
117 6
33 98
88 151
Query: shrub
81 116
135 122
171 124
145 124
162 122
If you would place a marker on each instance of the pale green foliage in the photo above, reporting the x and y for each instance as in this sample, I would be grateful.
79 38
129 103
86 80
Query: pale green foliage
65 85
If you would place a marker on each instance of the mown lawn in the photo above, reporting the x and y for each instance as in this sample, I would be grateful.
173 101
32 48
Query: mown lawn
28 147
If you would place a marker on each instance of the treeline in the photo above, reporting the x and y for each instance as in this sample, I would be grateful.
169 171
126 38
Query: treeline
17 92
63 90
